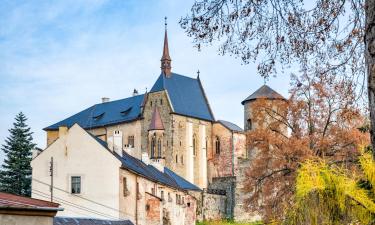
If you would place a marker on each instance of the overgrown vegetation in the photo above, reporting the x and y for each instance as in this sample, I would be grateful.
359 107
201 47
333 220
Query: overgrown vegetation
227 222
332 194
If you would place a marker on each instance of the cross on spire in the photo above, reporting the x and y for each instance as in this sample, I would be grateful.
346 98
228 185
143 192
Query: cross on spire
166 59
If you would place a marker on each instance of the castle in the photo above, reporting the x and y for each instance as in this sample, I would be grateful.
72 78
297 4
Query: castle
171 128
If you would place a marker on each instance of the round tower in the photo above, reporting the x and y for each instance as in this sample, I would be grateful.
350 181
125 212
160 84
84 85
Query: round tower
264 92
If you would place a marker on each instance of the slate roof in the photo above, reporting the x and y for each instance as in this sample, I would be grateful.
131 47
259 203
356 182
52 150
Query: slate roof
103 114
167 178
230 126
156 121
186 94
88 221
263 92
11 201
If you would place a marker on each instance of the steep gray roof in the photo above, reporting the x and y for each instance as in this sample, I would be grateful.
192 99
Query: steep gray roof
104 114
186 94
230 126
263 92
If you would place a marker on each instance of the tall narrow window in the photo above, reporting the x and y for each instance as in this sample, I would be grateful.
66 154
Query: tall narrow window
194 145
125 187
159 148
153 147
217 145
131 141
249 124
182 159
76 184
176 159
162 195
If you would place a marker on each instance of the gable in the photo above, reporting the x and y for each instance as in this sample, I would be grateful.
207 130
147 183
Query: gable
186 95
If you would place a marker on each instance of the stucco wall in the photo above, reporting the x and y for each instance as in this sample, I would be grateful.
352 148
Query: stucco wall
25 220
76 153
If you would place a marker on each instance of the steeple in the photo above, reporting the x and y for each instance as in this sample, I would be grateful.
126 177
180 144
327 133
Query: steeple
166 59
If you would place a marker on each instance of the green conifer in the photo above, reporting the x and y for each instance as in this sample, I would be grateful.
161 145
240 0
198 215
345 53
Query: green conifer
15 174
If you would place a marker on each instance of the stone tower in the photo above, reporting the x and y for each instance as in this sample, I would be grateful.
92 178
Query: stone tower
263 92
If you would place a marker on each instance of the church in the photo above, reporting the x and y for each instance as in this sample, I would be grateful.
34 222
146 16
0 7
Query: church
167 137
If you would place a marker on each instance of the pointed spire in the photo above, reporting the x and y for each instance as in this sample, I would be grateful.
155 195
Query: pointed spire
166 59
156 122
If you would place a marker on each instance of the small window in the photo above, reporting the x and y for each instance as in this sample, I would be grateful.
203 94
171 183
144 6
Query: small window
162 195
249 124
183 201
169 197
76 184
151 103
177 199
159 148
153 147
153 191
217 146
194 145
161 101
125 187
180 143
182 159
131 141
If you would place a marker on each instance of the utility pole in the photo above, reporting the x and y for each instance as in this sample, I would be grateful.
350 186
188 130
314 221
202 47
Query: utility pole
51 175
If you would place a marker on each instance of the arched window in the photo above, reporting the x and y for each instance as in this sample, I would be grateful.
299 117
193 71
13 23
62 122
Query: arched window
153 147
194 145
217 145
159 148
249 124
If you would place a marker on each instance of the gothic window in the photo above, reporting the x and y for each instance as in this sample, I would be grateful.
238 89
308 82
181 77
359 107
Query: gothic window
217 145
153 147
194 145
159 148
131 141
249 124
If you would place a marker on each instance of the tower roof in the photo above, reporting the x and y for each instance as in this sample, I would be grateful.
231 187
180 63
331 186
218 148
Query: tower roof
166 66
263 92
156 122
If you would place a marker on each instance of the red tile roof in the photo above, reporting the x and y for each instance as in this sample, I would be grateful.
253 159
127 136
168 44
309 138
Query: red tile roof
156 122
14 201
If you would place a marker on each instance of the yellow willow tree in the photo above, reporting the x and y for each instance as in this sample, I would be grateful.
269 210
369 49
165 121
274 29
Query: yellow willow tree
331 194
319 120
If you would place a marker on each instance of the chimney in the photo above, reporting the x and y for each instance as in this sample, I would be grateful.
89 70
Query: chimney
135 92
157 164
63 131
117 142
105 99
145 158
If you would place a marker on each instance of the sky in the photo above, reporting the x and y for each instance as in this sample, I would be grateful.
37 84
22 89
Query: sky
60 57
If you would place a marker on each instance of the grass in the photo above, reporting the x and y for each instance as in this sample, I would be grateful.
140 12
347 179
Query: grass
227 222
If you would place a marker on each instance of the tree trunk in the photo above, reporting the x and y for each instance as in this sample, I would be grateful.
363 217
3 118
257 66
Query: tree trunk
370 64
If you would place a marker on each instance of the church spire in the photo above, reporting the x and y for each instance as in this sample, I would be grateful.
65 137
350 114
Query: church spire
166 59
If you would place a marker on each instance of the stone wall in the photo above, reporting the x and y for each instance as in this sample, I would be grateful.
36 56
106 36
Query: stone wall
227 184
213 207
177 139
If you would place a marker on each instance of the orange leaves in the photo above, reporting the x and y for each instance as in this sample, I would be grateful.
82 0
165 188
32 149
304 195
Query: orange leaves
319 120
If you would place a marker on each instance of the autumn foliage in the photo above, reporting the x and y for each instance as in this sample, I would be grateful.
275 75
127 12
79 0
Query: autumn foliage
321 119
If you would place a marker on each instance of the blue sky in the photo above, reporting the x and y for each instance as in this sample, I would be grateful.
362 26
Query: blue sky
59 58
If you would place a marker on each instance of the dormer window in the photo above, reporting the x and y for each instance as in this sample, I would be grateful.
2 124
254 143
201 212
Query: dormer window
97 115
126 111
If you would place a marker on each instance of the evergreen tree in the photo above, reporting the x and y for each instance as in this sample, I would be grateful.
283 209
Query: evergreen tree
15 176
